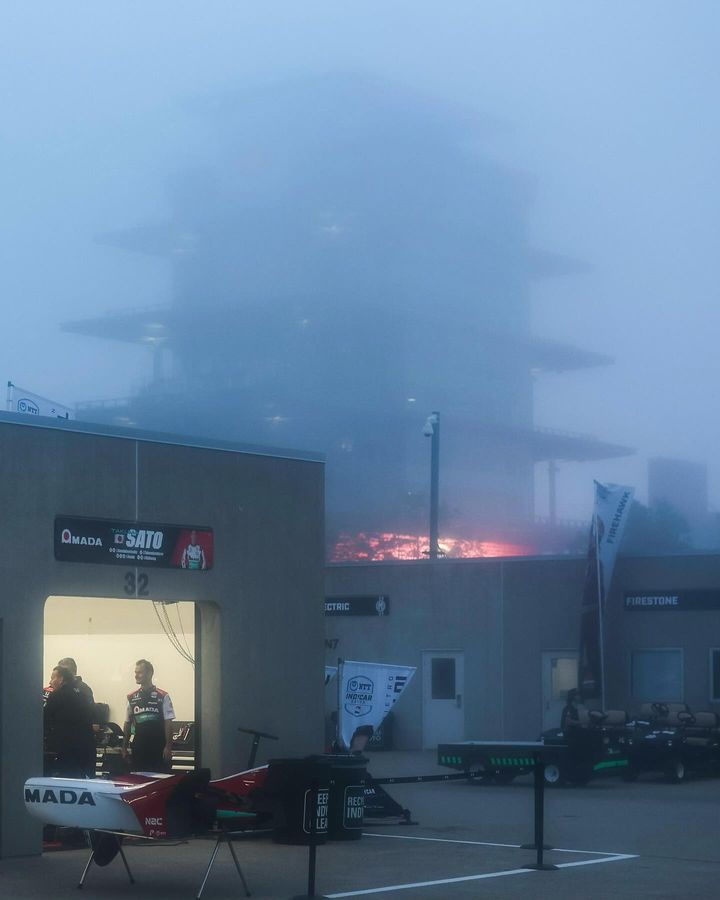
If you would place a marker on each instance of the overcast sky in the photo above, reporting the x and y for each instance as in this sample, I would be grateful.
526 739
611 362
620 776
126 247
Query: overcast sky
610 108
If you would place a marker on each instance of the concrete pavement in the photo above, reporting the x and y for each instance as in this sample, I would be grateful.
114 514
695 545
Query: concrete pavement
616 840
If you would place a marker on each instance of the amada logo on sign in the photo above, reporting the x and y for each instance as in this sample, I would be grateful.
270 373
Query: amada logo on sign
67 537
359 696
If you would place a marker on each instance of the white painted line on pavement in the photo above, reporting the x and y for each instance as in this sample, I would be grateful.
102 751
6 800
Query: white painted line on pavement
408 837
613 857
419 884
589 862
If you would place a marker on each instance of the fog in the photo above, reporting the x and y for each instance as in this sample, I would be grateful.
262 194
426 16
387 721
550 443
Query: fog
604 113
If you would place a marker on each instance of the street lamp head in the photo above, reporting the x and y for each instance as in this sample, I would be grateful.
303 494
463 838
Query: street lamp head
430 423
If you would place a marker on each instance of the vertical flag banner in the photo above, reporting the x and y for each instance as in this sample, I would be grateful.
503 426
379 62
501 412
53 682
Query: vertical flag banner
368 691
22 401
610 515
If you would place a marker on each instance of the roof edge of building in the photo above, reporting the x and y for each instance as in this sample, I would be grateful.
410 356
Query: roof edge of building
156 437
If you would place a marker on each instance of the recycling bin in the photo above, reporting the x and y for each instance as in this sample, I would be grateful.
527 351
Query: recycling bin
348 780
290 786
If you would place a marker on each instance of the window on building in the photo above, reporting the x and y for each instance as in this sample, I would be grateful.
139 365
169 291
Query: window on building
657 675
563 676
443 679
715 675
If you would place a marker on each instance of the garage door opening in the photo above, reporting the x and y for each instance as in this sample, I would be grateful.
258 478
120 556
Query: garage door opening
106 636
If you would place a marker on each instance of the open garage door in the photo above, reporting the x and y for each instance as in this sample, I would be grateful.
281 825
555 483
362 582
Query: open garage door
106 637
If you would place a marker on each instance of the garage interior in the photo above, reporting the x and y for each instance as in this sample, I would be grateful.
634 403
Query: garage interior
106 636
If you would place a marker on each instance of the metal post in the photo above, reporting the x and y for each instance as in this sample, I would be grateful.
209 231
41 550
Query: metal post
312 855
312 844
539 824
338 729
552 491
601 624
434 482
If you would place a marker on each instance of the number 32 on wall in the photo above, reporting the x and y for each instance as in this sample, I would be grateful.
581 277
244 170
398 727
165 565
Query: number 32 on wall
137 587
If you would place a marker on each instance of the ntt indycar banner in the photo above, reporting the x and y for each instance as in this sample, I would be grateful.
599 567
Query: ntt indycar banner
23 401
367 692
109 542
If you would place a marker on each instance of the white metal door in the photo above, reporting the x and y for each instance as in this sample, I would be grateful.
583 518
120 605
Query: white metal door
559 675
443 697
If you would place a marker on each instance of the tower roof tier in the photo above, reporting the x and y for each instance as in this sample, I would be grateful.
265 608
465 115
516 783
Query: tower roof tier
162 325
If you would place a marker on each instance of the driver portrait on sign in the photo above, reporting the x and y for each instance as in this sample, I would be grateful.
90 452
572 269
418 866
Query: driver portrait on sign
193 556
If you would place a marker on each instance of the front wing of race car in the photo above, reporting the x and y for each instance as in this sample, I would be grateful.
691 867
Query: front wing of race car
147 804
92 803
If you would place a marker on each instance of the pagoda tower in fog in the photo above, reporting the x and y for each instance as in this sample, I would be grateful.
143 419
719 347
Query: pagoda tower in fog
348 262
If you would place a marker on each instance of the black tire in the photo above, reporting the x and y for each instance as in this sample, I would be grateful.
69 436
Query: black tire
675 772
553 775
105 846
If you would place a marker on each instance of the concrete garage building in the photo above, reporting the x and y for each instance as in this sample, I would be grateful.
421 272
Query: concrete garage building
258 629
495 641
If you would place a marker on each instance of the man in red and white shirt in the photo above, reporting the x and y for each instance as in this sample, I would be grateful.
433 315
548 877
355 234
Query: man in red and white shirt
150 712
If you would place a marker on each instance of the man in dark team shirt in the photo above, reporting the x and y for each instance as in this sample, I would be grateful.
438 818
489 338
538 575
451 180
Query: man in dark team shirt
151 712
69 663
67 723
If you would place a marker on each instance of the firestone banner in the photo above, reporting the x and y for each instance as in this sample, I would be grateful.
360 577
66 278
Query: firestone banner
368 691
611 512
110 542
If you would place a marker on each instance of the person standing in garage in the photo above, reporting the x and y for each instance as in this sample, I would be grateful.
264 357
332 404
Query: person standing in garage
150 714
68 662
67 723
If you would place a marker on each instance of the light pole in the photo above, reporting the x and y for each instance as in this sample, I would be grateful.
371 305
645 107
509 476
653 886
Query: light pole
432 430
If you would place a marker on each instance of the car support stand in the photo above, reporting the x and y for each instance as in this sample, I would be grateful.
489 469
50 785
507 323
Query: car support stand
92 858
107 853
227 837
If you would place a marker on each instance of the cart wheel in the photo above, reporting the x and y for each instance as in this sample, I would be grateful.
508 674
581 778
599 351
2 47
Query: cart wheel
552 774
675 772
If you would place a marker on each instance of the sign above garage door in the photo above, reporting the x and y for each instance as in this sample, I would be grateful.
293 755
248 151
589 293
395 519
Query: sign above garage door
669 600
110 542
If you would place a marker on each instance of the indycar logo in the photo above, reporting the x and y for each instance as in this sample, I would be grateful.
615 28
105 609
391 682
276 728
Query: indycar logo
359 696
65 796
27 406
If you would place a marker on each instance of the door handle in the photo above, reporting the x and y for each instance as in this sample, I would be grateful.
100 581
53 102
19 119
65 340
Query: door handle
458 700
